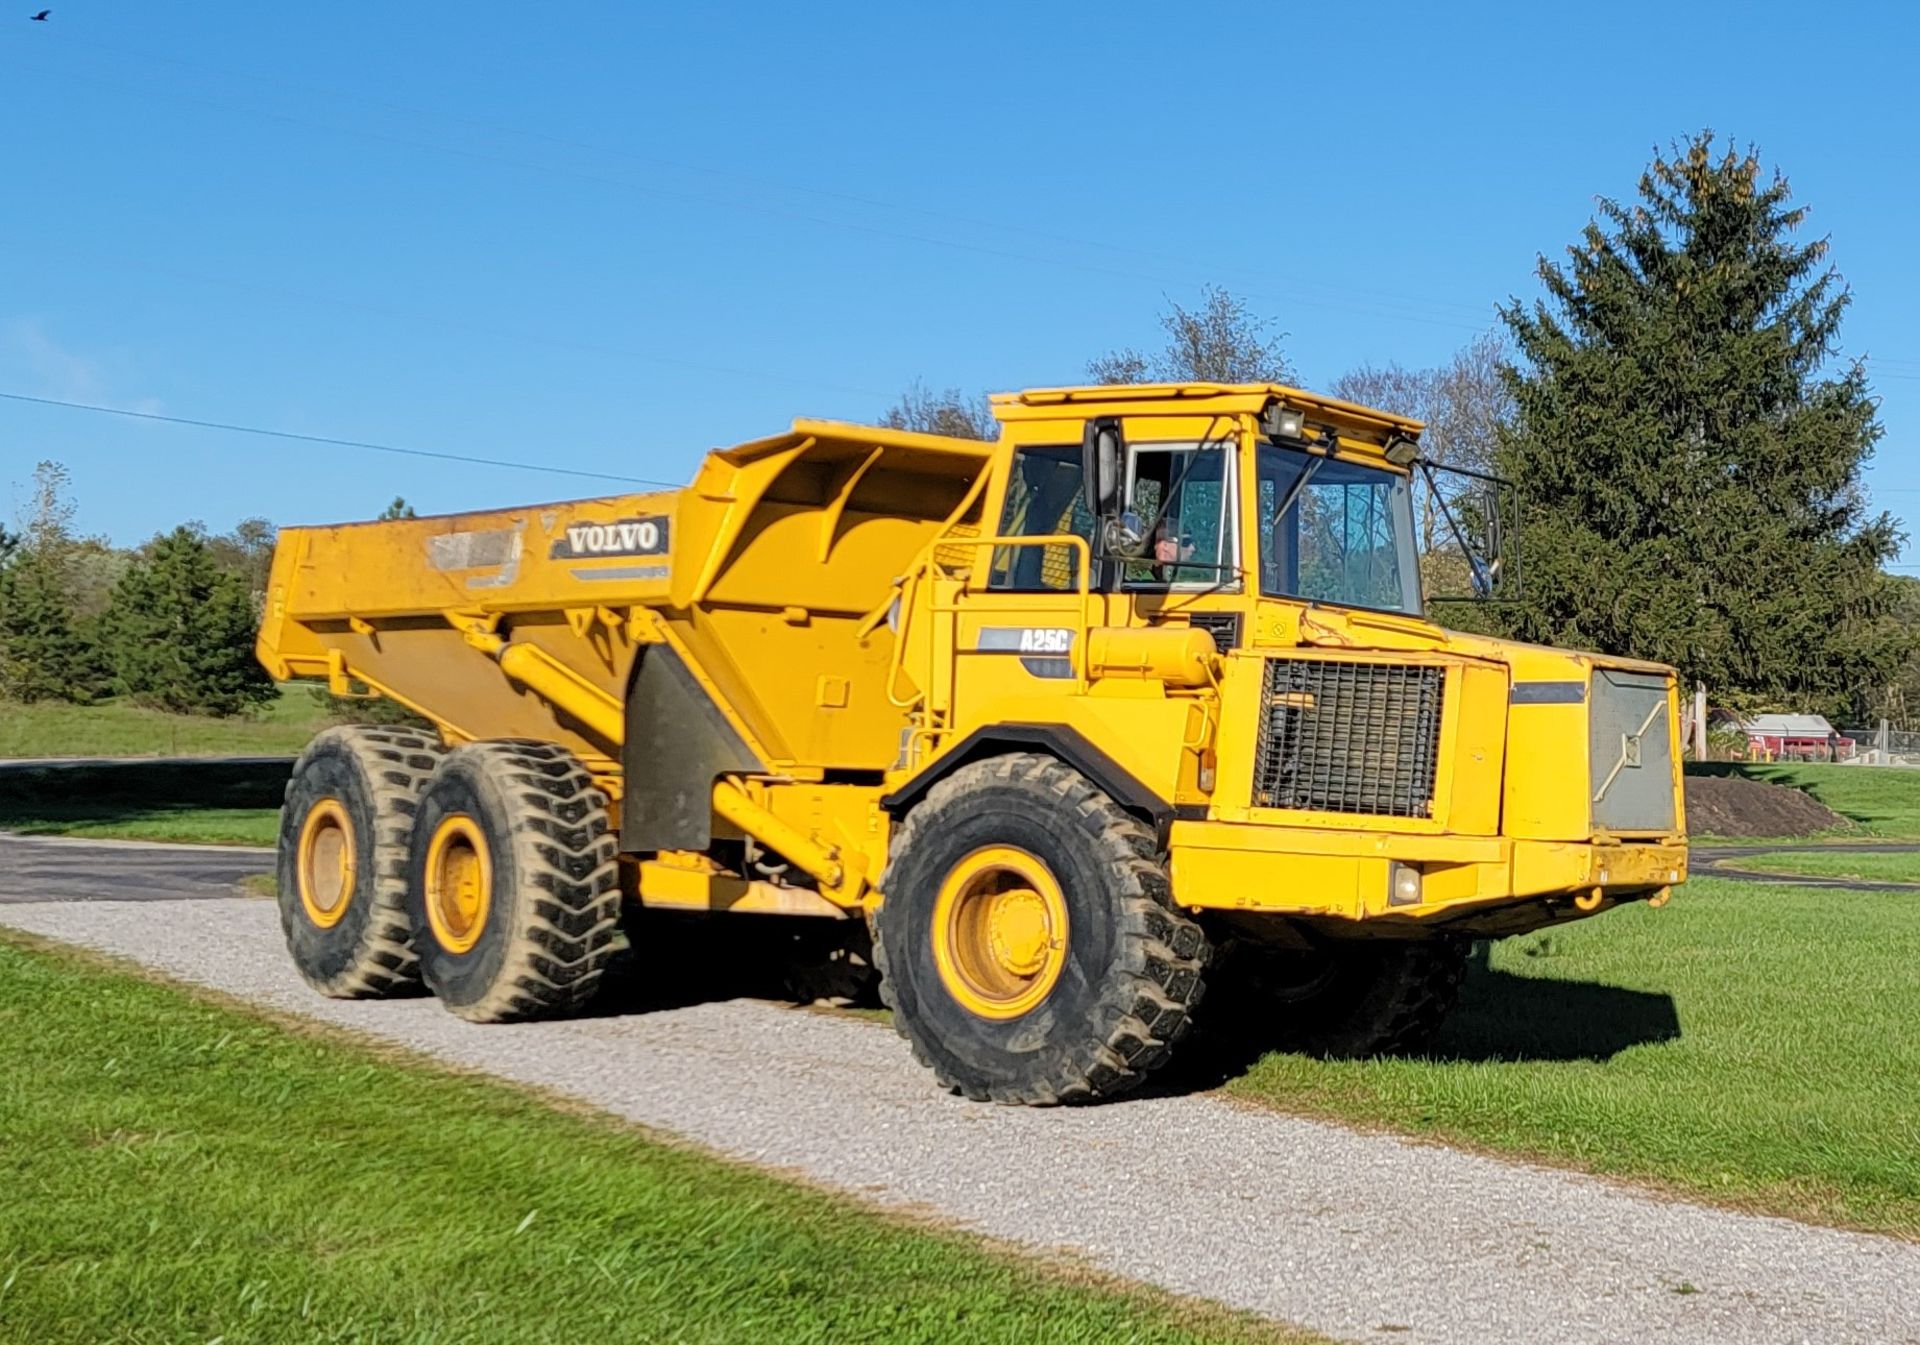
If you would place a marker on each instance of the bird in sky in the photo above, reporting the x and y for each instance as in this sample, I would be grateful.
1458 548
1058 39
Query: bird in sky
41 17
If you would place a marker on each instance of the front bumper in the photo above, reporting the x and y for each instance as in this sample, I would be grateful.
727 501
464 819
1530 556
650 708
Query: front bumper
1350 875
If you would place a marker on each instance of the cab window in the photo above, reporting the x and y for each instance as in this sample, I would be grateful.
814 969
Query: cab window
1181 496
1044 499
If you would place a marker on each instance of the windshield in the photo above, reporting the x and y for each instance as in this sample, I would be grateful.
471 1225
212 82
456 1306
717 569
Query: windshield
1346 535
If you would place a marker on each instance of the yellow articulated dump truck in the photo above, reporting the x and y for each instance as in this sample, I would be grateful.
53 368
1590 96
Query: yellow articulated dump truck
1139 700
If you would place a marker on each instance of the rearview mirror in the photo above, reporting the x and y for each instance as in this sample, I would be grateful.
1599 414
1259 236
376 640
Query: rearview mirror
1103 450
1469 549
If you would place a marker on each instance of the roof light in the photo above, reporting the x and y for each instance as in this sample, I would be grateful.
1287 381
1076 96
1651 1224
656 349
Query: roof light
1284 424
1401 451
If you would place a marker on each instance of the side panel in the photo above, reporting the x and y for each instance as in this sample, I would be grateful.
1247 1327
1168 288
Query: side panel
1631 766
677 743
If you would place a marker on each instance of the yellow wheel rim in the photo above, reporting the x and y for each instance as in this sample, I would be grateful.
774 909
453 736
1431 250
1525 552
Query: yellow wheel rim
459 882
326 862
1000 932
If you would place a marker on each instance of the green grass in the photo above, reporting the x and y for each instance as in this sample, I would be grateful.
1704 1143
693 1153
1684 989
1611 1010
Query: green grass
177 1169
1748 1044
107 819
1885 800
118 729
1894 868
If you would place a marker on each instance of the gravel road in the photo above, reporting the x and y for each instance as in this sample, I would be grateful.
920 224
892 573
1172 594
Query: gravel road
1361 1236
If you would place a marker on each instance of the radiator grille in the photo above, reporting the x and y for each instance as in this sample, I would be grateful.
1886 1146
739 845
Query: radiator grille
1343 737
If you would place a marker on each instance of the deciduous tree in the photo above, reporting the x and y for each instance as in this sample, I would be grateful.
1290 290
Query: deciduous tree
1220 341
951 412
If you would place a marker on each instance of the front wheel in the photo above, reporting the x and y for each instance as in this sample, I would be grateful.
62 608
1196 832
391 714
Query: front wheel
1027 940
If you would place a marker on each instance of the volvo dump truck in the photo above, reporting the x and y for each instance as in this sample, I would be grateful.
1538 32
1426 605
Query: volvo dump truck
1139 698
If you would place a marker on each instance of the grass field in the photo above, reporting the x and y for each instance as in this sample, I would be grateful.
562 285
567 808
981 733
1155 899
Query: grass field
1883 800
178 1169
118 729
1889 868
1749 1044
119 821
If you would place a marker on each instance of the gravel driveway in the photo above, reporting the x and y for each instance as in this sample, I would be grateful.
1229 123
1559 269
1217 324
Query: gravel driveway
1361 1236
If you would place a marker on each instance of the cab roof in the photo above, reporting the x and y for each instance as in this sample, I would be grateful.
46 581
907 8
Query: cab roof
1045 403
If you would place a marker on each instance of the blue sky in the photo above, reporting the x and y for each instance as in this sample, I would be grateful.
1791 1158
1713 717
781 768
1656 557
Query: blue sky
609 236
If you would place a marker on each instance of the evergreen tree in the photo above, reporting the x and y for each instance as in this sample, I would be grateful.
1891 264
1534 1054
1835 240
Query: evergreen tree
45 652
1691 459
181 628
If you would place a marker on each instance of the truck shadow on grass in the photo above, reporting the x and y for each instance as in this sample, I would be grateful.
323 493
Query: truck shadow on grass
1501 1018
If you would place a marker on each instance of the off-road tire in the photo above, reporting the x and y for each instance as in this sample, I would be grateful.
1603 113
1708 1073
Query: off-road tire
1133 965
1346 1000
552 917
376 773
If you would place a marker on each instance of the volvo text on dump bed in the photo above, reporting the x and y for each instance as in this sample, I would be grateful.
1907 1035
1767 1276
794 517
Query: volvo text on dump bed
1139 700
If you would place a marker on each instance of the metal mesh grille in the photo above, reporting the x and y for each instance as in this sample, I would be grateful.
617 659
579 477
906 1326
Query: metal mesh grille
1342 737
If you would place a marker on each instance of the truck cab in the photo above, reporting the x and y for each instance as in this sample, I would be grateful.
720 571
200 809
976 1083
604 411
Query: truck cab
1217 590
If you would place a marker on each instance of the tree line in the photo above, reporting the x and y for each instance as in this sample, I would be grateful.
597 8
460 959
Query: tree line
169 624
1686 433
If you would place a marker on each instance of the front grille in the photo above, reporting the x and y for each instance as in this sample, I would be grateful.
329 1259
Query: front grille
1341 737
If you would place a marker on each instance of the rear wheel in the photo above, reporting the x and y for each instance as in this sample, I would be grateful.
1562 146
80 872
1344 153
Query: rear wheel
512 884
1027 941
344 838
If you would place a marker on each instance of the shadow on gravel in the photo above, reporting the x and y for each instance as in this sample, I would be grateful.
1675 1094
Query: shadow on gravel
674 961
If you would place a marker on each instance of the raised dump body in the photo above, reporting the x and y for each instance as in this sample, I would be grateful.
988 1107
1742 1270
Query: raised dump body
1139 697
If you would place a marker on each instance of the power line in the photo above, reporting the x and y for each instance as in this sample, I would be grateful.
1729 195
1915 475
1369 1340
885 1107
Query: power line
337 443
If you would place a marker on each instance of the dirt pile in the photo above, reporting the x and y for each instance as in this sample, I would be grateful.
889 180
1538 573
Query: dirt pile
1726 805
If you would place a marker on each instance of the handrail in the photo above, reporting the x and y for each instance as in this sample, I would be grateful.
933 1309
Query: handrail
905 585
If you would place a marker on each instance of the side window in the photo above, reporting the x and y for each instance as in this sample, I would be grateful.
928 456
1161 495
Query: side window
1184 494
1044 498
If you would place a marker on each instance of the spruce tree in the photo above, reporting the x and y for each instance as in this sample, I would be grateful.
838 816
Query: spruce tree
45 651
1691 445
181 628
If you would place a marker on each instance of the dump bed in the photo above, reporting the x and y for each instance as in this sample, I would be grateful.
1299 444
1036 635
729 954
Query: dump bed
755 576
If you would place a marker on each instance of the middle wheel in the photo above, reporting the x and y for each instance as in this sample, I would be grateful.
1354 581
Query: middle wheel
512 885
1027 940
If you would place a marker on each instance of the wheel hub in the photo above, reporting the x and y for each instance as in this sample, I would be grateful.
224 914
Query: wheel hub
1017 930
459 884
999 932
325 863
